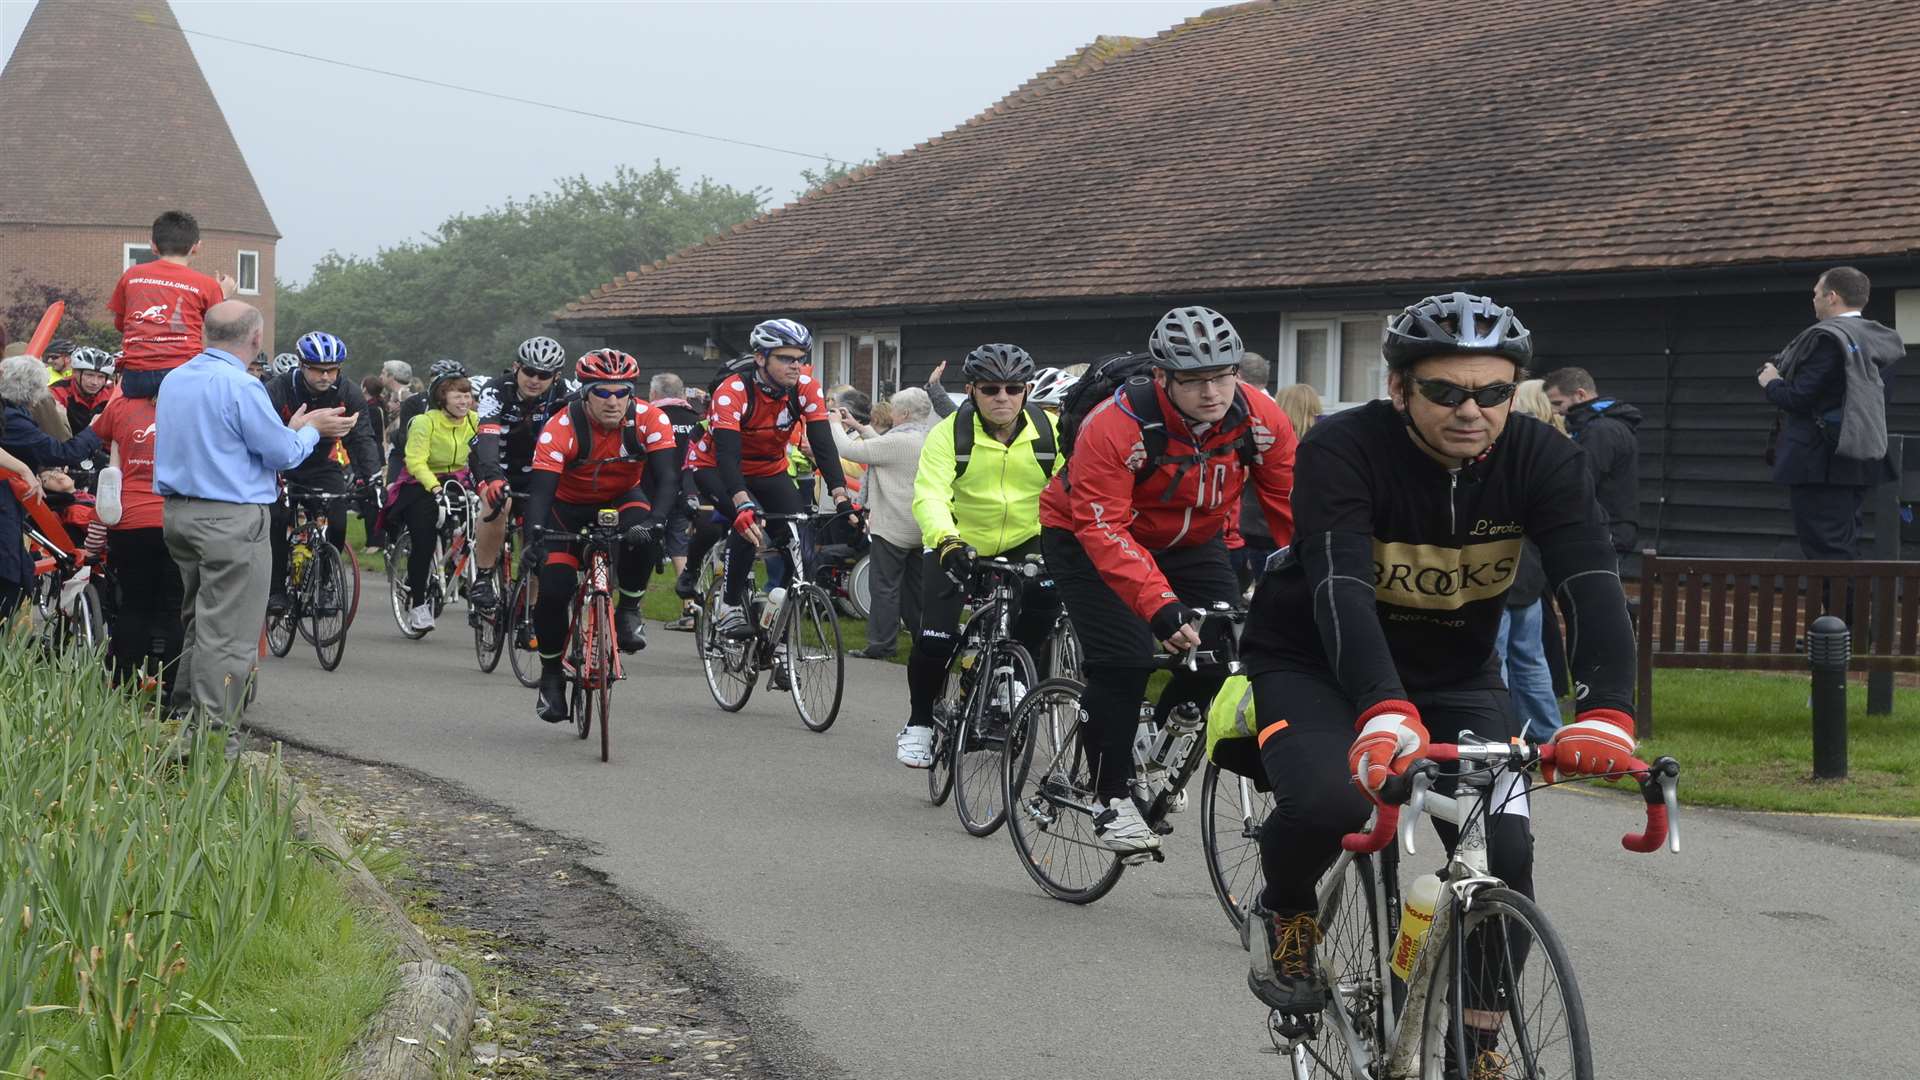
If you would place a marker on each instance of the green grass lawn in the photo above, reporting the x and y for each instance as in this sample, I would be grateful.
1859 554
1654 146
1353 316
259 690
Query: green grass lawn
1744 739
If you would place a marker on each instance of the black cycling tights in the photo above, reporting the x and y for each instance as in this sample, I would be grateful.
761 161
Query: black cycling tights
1112 704
560 572
1315 801
776 495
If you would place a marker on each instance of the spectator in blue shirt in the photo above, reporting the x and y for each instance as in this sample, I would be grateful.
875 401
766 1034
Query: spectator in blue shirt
218 447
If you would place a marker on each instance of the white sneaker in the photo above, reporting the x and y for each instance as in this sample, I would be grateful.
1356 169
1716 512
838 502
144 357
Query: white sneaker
915 748
420 619
1121 828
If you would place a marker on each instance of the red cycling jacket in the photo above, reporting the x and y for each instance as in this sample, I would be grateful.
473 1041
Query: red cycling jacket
1122 517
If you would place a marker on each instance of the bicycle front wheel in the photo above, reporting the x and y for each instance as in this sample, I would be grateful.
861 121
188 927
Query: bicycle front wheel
1356 933
1050 798
523 653
1231 813
815 660
979 773
325 600
1504 1001
950 707
490 629
399 546
280 630
596 650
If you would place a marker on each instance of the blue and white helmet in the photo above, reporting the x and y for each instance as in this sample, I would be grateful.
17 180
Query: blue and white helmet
780 334
320 347
282 363
542 354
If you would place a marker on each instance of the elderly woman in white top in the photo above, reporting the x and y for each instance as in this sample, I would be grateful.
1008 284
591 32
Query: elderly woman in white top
891 459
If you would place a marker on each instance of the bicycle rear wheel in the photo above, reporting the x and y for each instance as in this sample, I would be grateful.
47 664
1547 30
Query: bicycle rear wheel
399 546
816 661
1356 934
1050 797
980 785
728 662
1232 811
1506 964
324 603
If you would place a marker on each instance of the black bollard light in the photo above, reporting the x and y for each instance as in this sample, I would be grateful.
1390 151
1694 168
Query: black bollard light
1828 647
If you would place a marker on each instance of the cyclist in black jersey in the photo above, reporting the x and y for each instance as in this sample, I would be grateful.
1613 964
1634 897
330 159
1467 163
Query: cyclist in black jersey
1380 618
512 410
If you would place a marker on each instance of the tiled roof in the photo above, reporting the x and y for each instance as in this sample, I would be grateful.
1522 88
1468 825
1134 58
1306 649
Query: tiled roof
1348 142
105 119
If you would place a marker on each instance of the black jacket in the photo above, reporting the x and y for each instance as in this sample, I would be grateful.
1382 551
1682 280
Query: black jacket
289 393
1605 429
1399 569
1810 395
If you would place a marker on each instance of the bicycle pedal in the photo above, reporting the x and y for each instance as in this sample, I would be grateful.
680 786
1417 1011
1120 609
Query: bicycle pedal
1139 858
1293 1027
1162 827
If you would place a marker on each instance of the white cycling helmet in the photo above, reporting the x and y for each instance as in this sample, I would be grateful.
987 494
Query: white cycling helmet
1050 387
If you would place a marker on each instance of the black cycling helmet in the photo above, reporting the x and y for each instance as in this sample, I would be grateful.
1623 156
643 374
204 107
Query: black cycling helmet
998 363
1194 339
1456 323
60 347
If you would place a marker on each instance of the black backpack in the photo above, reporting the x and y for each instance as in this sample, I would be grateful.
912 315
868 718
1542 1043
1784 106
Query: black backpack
1129 377
1044 450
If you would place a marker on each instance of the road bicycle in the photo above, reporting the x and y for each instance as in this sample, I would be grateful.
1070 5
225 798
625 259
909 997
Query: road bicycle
799 645
453 571
985 680
322 585
494 627
591 657
1491 991
1049 786
66 604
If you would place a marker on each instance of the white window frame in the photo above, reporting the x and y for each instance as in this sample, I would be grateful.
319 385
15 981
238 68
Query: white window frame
126 255
848 339
1333 322
240 279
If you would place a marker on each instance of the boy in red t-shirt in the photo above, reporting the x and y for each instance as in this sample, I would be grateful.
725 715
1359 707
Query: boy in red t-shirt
147 632
158 306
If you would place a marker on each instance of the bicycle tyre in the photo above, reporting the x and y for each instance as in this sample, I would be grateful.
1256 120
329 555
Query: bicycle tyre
1356 936
815 658
1045 763
525 662
580 646
728 665
979 783
280 630
398 547
950 703
351 560
1231 813
490 630
600 673
329 632
1557 1047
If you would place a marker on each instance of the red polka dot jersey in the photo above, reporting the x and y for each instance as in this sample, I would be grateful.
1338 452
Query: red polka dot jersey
767 427
608 468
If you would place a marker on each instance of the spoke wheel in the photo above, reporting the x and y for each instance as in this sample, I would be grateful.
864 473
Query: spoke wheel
490 627
1352 960
815 659
519 617
1508 964
728 663
399 549
1232 810
350 562
950 705
280 629
325 601
596 670
1046 769
980 785
860 587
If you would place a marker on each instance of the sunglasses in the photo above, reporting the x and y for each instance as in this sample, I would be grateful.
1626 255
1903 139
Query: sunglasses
542 376
610 392
1448 395
996 390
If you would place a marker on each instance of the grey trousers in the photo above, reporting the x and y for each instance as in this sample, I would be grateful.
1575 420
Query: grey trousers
894 582
225 560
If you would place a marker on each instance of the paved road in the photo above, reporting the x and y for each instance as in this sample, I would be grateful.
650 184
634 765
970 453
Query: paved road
868 936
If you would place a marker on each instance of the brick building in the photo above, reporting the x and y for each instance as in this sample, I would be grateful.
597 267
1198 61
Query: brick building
105 122
1654 186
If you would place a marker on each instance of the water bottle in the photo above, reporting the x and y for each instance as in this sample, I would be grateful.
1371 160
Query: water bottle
1416 918
775 597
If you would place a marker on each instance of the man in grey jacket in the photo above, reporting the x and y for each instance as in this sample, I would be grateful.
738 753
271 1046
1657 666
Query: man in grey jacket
892 459
1832 385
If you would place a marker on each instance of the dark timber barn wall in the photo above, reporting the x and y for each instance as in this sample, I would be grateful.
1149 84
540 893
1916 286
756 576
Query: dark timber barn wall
1685 351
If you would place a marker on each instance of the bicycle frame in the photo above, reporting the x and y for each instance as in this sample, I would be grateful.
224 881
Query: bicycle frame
600 567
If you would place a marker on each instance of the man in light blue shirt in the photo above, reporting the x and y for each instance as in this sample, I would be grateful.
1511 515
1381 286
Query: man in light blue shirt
218 446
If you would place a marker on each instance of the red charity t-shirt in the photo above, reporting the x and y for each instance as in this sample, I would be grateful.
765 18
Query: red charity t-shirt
768 430
128 423
605 472
159 308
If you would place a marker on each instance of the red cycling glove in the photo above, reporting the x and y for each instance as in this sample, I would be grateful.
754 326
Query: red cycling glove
1391 737
1599 741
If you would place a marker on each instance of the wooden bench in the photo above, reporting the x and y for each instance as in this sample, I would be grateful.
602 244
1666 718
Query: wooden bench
1751 614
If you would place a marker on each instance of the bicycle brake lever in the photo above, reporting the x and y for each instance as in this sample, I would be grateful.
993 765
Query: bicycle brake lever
1422 779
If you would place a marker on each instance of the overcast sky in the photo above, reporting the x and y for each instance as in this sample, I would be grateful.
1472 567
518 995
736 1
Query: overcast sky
354 161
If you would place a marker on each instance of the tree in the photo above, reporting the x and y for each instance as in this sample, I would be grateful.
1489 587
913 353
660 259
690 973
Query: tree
816 179
31 299
481 283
